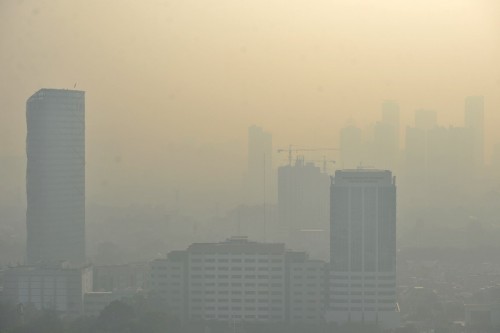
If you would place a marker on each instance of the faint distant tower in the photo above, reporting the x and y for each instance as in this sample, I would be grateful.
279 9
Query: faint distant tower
386 137
390 115
474 120
416 147
303 206
425 119
260 177
363 248
351 146
55 176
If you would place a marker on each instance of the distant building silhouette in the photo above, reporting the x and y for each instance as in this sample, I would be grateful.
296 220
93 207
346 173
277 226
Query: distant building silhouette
474 120
416 154
386 137
363 248
303 205
390 115
55 176
351 147
425 119
260 178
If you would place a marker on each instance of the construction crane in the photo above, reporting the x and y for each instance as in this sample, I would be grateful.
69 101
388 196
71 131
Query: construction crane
324 161
296 150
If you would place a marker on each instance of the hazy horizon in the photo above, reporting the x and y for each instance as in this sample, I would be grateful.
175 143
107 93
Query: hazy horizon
172 86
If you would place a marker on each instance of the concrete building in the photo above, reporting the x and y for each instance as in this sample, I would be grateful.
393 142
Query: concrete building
168 283
307 283
303 207
239 280
55 176
363 248
56 288
133 276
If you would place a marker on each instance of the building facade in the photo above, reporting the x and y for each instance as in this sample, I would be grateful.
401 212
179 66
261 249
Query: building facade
363 248
55 288
239 280
303 207
55 176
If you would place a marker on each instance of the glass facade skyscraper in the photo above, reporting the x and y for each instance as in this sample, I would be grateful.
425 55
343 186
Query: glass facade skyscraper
363 247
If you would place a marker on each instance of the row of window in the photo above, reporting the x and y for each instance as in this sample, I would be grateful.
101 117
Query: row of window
237 268
235 308
225 316
357 277
262 260
367 285
383 301
358 308
236 292
308 285
366 293
236 300
235 276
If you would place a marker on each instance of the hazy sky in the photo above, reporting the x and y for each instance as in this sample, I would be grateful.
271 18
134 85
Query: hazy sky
173 85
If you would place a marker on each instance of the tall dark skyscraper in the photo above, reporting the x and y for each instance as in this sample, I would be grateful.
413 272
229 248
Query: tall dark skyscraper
55 176
363 247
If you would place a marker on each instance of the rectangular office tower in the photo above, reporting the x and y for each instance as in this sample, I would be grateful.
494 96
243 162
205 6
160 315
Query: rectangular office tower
363 248
55 176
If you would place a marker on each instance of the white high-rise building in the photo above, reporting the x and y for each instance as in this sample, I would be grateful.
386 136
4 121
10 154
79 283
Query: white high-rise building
363 248
55 176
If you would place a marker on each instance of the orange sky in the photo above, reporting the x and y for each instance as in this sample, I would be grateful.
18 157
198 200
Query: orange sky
173 85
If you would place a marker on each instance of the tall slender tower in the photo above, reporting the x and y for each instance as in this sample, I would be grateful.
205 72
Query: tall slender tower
363 248
55 176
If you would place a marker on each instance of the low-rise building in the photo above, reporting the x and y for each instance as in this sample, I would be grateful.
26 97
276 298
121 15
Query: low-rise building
56 288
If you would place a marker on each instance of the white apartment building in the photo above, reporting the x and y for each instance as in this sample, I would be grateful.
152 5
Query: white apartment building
239 280
168 283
